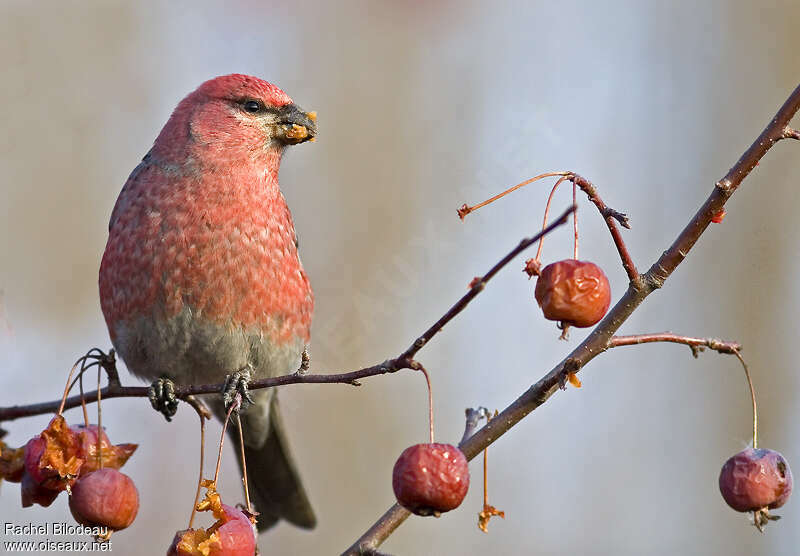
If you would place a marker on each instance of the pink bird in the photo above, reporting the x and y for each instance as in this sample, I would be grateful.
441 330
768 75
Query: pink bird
201 278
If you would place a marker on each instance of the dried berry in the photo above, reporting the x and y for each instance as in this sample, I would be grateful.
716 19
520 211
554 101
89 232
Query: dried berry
236 534
574 292
34 493
429 479
105 498
113 456
233 534
52 459
755 479
12 463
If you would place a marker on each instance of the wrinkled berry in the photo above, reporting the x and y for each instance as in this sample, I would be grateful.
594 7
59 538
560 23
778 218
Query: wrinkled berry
429 479
232 535
34 493
112 455
576 293
754 479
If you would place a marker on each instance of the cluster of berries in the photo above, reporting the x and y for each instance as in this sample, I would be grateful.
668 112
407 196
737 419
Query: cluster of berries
81 461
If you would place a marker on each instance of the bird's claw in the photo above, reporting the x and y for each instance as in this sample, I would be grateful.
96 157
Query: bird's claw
237 383
162 397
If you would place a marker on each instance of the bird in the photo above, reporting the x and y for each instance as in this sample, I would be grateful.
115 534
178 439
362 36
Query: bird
201 278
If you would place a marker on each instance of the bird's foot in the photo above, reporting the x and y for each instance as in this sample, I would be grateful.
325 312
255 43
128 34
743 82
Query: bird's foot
162 397
236 389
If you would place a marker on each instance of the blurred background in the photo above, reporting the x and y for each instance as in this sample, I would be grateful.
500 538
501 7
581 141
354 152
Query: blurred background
424 106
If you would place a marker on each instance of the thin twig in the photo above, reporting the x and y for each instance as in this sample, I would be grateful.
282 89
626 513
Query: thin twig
695 344
790 133
612 217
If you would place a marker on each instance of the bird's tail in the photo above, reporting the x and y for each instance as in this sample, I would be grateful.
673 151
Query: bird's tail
275 487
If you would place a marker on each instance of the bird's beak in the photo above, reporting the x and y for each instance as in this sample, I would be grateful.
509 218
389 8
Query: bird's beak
295 125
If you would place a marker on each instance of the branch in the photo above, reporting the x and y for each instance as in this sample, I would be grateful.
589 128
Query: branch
599 339
611 217
404 361
185 392
695 344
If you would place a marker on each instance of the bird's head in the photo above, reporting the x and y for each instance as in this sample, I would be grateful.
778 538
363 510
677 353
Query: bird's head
234 113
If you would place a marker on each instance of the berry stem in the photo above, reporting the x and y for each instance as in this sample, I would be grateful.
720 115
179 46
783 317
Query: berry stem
237 402
465 210
202 459
488 510
430 398
96 360
561 180
485 476
244 461
752 397
83 401
67 387
99 419
575 218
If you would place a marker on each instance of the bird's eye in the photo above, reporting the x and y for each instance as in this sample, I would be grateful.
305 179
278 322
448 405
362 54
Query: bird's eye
253 106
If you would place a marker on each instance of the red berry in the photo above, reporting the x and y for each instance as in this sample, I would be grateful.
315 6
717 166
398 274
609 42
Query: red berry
754 479
33 454
232 535
52 459
574 292
34 493
105 498
430 478
236 534
112 455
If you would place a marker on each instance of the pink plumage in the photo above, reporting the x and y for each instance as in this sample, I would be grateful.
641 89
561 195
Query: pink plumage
201 276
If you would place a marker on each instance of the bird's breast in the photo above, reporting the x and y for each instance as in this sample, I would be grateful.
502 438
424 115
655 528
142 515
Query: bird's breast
219 247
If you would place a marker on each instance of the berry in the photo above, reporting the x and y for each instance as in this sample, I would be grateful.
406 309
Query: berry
34 493
755 479
33 455
112 455
52 459
232 535
576 293
105 498
236 534
429 479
